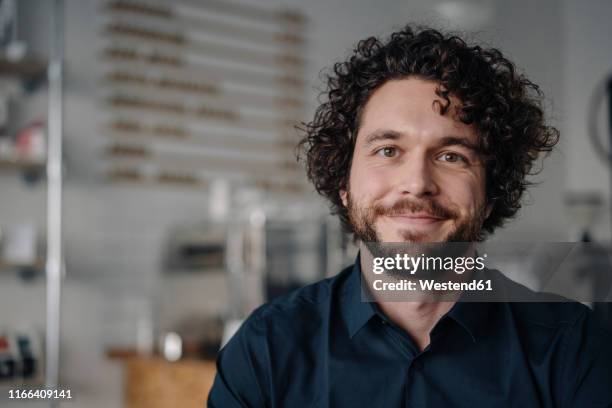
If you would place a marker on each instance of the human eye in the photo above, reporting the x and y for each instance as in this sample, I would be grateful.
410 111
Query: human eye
452 157
387 151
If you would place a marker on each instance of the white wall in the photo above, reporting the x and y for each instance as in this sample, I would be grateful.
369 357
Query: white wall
532 34
587 60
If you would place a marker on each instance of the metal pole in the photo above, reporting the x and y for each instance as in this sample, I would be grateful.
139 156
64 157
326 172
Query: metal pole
54 197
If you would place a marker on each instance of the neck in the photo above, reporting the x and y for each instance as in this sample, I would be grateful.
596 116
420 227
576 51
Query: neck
417 319
417 315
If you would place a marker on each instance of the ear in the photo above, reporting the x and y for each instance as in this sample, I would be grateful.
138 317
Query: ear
344 197
489 210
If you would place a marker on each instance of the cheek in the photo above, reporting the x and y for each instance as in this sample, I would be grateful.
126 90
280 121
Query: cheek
368 184
467 193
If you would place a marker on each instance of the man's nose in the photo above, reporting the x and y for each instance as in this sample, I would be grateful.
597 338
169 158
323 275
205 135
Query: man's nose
416 177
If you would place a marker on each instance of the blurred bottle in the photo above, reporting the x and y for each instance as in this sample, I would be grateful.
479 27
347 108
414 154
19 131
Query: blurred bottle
7 358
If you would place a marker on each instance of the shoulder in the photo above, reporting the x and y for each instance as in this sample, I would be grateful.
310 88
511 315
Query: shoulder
302 309
568 333
586 371
538 308
545 319
552 314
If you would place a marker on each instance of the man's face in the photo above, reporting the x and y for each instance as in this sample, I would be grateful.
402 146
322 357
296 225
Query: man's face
416 175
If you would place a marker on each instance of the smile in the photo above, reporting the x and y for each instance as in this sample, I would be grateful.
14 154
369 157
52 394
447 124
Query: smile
416 220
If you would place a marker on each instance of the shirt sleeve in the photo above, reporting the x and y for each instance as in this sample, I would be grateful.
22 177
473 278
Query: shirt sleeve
241 375
588 365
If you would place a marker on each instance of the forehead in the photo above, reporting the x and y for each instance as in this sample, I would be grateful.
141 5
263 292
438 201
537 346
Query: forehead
406 106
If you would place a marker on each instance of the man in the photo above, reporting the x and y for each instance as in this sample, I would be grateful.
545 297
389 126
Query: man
422 139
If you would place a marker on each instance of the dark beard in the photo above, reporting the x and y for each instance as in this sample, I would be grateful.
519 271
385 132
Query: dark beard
363 223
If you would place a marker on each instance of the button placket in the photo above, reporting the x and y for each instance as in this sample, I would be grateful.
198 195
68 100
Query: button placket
417 364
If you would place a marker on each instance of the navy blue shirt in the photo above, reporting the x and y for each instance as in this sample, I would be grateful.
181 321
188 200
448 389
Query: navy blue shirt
321 346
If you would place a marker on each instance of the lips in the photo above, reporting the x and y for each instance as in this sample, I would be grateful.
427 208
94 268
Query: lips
416 220
416 216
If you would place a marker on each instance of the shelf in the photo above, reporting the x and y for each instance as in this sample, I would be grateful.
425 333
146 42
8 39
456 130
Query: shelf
21 164
39 264
27 68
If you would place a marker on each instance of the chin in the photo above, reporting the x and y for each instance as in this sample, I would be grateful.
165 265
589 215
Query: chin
387 232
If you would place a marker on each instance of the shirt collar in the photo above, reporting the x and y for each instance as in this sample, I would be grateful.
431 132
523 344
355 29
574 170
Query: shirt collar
471 316
357 312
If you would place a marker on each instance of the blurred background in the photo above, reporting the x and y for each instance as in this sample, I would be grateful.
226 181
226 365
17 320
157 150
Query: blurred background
182 205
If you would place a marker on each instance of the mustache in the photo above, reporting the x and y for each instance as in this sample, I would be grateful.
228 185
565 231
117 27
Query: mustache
429 207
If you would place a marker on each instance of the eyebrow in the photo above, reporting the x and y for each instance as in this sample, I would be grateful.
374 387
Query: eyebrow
459 141
381 135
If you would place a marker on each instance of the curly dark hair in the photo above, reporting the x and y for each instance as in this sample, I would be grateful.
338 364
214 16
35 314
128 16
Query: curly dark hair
503 105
